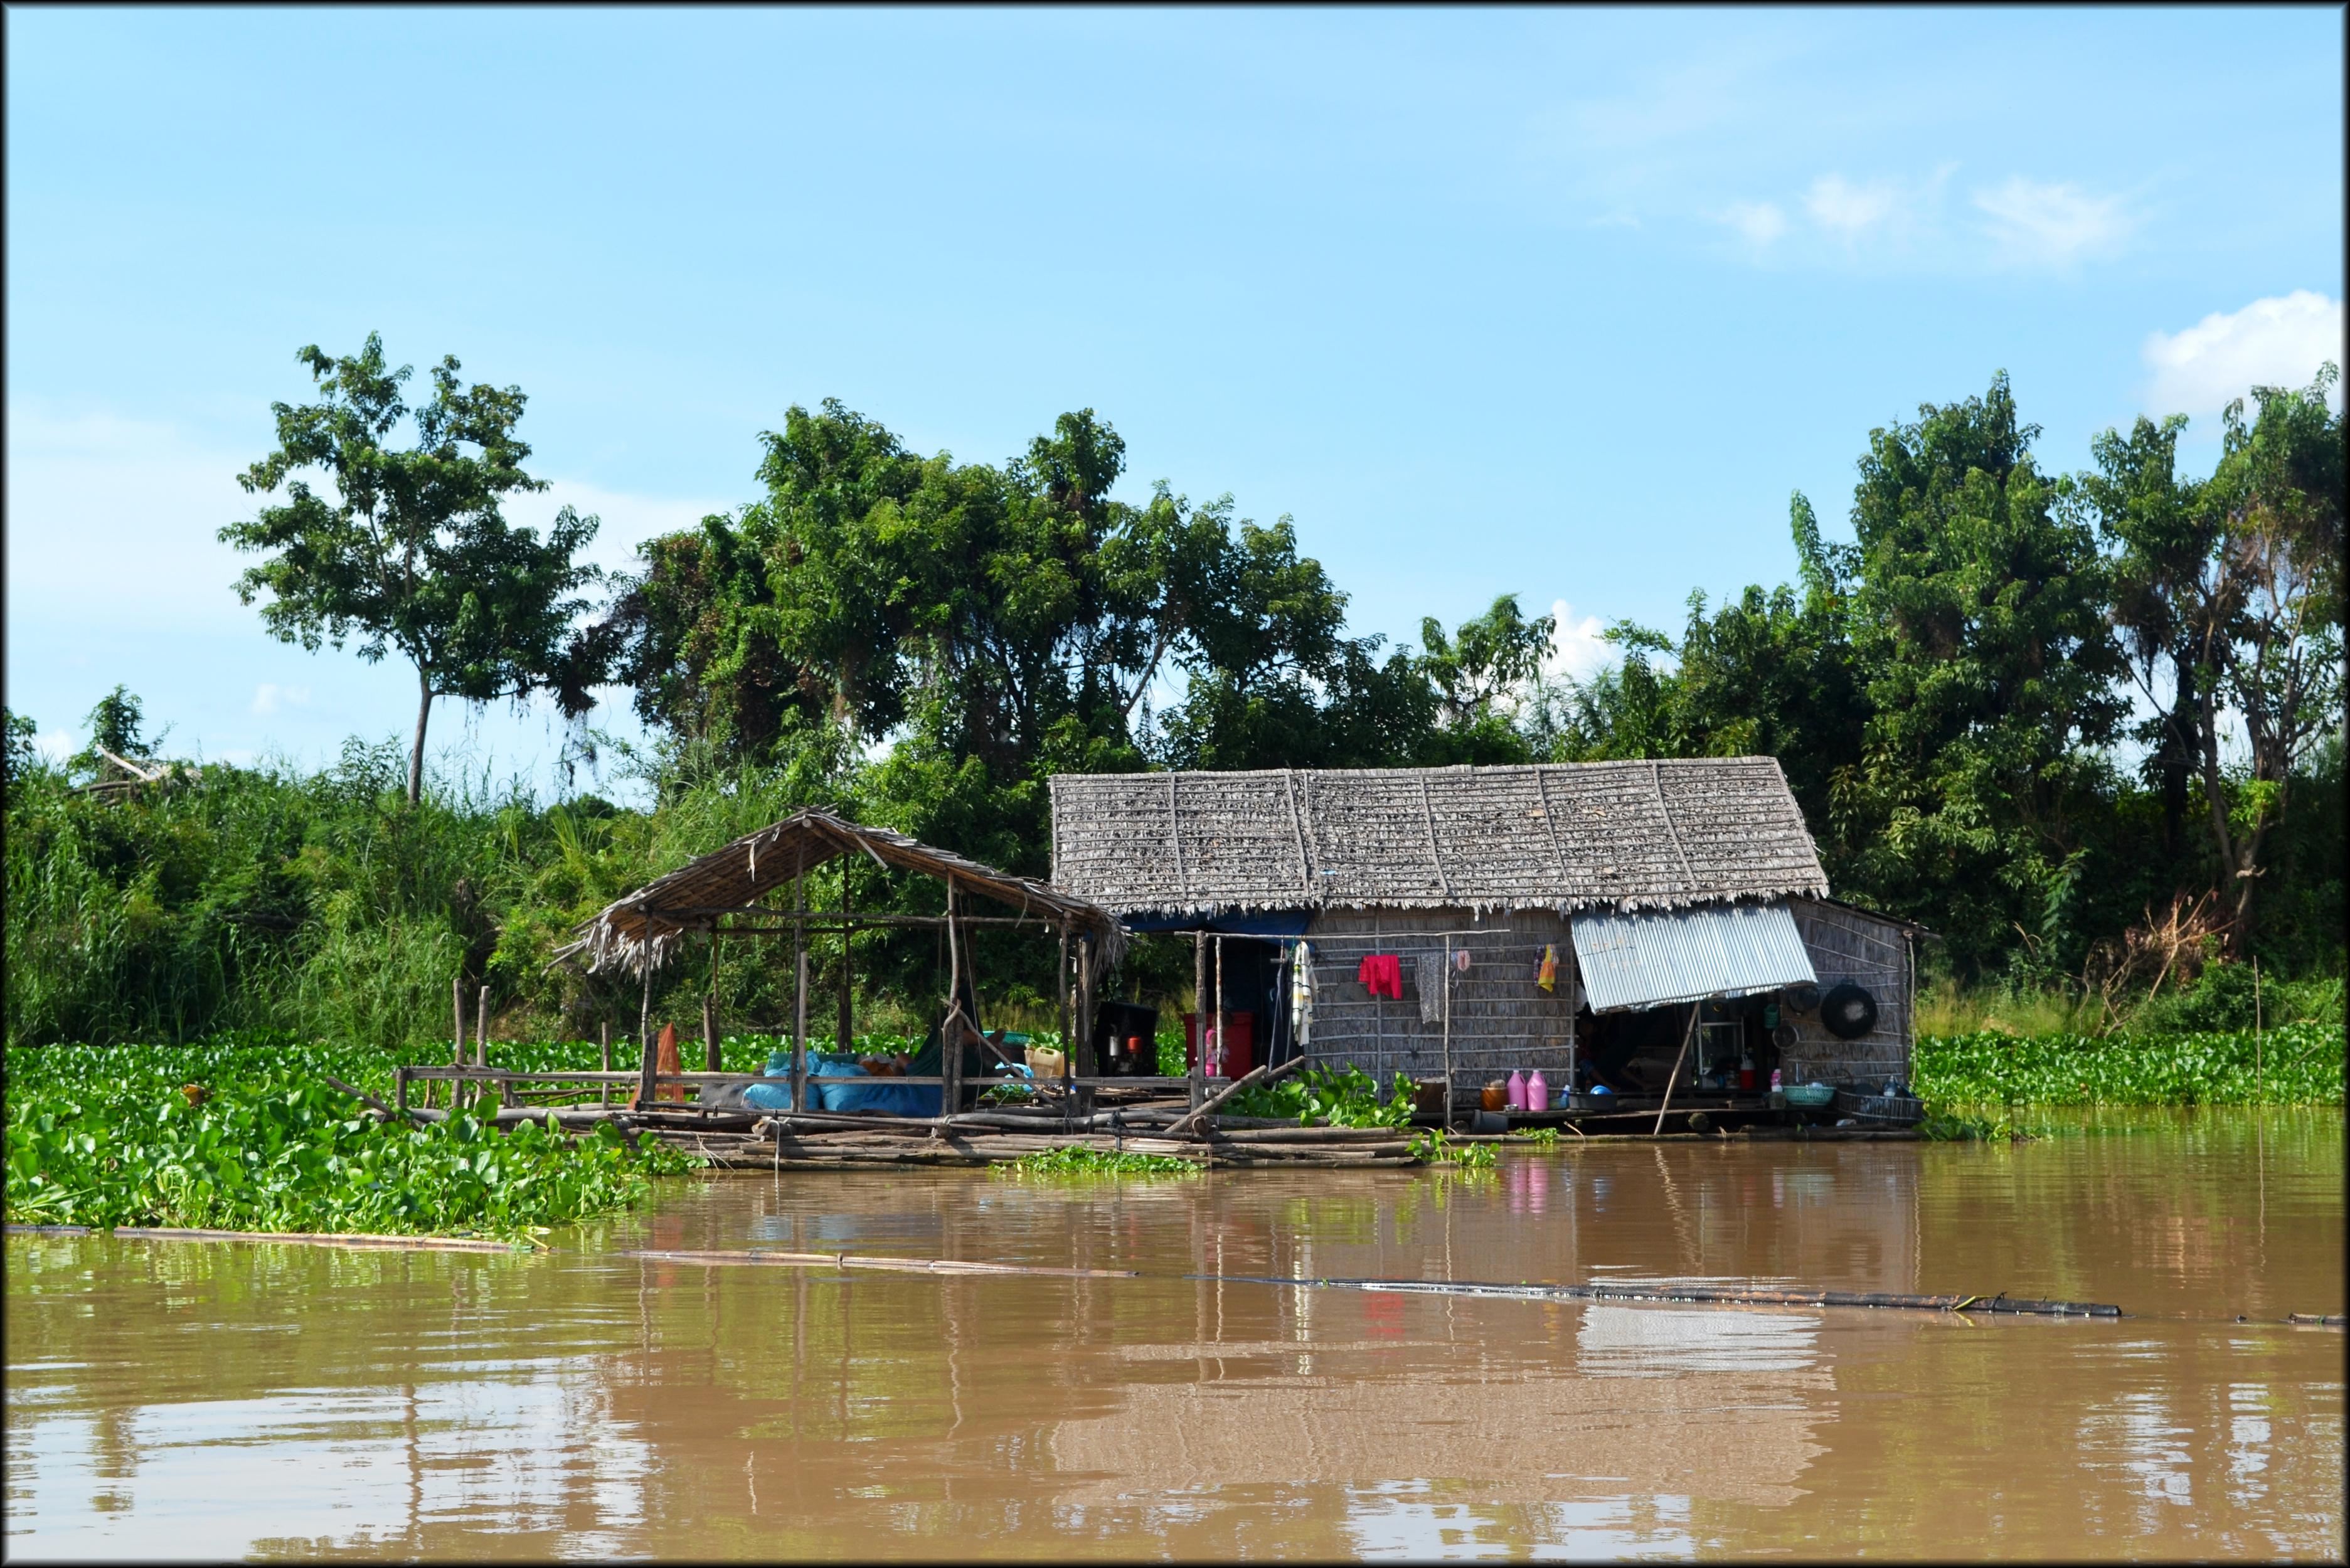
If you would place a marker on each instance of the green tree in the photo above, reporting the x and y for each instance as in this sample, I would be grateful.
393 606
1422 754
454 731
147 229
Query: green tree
412 552
118 726
1977 617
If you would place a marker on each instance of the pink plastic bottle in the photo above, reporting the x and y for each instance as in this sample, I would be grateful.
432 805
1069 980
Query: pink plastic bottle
1537 1091
1517 1090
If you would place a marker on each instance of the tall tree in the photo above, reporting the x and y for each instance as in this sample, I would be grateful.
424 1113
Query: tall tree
1978 614
412 551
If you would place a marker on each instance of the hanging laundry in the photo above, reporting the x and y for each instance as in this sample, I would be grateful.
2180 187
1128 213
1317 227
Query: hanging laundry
1301 993
1427 970
1382 975
1547 975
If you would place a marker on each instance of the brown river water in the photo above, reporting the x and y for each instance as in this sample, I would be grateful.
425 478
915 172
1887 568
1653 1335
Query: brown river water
214 1400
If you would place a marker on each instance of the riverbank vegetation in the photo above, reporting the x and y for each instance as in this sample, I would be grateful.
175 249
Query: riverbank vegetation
2084 726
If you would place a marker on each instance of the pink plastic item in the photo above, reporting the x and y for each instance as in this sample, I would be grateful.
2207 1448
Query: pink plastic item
1537 1091
1517 1091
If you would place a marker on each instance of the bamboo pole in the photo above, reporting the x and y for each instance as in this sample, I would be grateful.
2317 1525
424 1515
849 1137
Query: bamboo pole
645 1032
1068 1055
1687 1035
604 1091
1194 1070
799 1005
949 1035
1265 1074
1089 1062
846 1042
1446 981
709 1013
1223 1056
482 1028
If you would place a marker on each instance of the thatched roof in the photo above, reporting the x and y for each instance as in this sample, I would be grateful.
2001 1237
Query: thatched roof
1627 835
697 895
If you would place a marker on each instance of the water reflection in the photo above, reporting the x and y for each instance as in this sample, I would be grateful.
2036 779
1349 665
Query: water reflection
288 1402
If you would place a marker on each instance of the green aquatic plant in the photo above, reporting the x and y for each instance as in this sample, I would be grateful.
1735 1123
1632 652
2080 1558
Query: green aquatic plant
1079 1161
1540 1137
1348 1097
2299 1063
1437 1148
248 1136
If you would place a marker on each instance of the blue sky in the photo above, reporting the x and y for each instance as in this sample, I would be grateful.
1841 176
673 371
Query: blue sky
1557 303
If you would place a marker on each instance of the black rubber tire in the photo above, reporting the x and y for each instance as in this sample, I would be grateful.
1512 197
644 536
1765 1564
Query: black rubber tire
1848 1011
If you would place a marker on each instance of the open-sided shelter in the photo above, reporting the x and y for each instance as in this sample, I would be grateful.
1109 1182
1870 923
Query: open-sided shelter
1676 901
726 893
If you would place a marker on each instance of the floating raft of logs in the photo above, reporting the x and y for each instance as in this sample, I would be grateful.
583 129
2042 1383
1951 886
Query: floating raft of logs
814 1141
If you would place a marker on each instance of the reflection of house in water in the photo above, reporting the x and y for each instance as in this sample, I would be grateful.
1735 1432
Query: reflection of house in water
1720 1410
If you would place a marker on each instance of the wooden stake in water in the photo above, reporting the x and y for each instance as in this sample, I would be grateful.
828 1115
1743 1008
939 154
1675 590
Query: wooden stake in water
2258 1075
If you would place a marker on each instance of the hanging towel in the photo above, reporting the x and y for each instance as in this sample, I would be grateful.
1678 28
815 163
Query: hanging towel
1547 975
1382 975
1428 971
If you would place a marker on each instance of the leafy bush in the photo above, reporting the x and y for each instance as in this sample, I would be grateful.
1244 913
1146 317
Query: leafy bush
1341 1098
1437 1146
243 1136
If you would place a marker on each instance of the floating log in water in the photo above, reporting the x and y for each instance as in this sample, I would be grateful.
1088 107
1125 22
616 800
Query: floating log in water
312 1239
48 1230
1710 1295
2323 1320
757 1255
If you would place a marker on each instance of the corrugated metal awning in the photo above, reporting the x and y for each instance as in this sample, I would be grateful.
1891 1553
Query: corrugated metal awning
1654 959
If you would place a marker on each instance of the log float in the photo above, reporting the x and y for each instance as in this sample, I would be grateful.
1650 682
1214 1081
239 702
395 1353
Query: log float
1707 1295
757 1256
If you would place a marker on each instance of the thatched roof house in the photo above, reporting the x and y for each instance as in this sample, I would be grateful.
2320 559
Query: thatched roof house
1564 836
1655 885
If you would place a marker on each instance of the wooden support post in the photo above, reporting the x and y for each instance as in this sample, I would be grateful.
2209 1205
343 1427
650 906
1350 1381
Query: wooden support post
1446 981
482 1028
1687 1035
847 1040
1222 1057
645 1028
799 1005
604 1090
400 1088
1088 1059
1068 1055
457 1007
951 1033
1195 1070
710 1019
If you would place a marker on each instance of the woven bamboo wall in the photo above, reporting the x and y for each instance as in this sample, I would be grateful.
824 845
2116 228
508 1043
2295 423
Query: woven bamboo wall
1501 1019
1848 945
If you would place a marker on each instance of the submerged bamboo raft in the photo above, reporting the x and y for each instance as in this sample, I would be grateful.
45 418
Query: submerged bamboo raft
1705 1295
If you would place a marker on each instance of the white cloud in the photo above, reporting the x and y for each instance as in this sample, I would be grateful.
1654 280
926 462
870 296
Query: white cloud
1844 208
1578 651
2039 226
1759 221
56 747
2275 342
269 697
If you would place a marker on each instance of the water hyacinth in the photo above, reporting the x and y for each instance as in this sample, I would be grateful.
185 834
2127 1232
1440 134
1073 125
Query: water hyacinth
2299 1063
246 1136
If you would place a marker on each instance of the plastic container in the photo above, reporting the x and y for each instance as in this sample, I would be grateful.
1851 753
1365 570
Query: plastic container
1516 1091
1239 1054
1126 1040
1811 1097
1537 1091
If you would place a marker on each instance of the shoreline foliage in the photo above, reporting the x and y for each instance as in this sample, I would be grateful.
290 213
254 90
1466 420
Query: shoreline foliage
1958 695
2298 1064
